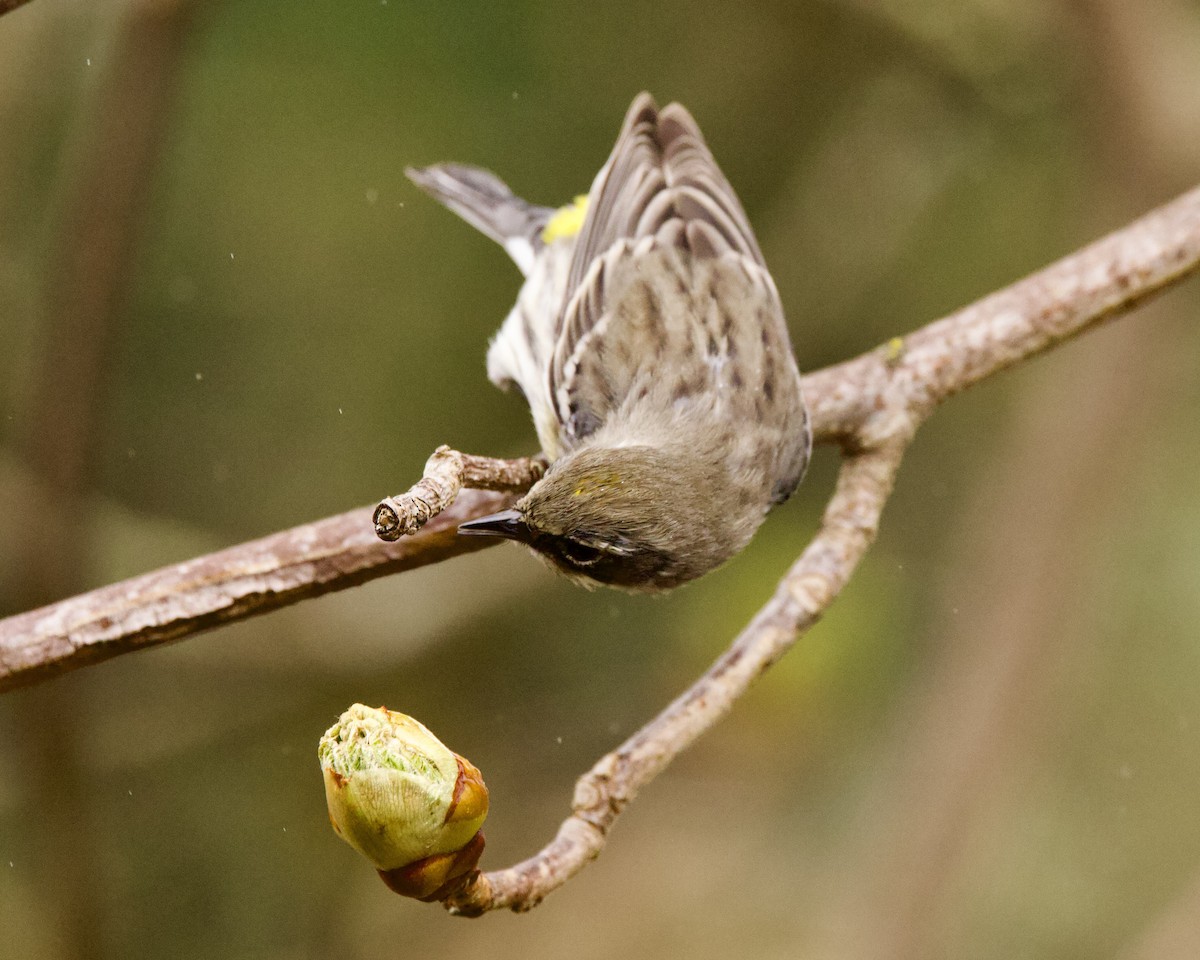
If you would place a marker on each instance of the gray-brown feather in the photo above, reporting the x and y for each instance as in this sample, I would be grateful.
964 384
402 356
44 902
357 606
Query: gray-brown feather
655 358
678 397
660 199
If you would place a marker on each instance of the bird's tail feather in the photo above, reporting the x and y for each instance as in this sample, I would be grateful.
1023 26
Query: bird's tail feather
485 201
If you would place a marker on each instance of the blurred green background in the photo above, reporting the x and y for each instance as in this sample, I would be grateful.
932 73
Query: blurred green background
225 311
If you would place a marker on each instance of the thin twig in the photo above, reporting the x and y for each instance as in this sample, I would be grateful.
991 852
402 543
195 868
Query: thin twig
446 473
857 404
847 530
902 383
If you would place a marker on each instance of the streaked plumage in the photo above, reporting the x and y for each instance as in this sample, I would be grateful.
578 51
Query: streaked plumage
654 355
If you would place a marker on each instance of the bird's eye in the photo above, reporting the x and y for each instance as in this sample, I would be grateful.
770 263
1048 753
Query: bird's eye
581 554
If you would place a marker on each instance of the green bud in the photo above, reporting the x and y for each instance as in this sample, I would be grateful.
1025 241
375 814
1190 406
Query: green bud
403 800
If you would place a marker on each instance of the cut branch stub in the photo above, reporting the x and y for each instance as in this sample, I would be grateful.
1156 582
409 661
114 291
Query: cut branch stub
447 472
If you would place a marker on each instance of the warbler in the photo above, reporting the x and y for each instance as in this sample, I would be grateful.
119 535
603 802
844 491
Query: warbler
650 343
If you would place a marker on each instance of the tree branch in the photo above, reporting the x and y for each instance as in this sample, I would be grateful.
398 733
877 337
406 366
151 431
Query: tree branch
446 473
872 405
861 404
245 580
850 401
847 530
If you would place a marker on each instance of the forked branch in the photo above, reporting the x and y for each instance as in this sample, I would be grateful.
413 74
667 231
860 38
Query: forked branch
847 530
854 404
870 406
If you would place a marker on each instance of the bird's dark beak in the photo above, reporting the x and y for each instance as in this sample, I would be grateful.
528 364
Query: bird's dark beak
507 523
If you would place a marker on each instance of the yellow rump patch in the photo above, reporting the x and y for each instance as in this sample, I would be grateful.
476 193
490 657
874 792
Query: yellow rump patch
567 221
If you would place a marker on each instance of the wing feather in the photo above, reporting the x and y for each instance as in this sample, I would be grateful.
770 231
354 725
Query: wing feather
661 188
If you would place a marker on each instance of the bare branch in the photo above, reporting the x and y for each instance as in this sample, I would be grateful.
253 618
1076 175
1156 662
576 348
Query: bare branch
897 387
815 579
871 405
858 403
851 400
245 580
861 404
446 473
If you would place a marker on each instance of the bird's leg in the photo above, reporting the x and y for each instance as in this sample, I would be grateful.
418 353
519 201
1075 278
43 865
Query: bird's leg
446 473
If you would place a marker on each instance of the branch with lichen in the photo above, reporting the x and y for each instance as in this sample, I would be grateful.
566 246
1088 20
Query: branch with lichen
871 406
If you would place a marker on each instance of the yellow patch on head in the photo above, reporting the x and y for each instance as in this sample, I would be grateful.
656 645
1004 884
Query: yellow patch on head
893 351
593 483
567 221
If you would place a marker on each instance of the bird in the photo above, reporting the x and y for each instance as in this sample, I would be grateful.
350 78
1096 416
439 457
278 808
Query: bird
650 343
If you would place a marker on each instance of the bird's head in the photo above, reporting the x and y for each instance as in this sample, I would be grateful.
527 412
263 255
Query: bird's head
629 517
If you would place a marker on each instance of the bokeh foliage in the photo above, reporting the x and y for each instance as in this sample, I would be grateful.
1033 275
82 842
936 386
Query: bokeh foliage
987 749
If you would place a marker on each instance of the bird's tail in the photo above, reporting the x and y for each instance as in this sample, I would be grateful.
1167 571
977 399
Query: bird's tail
485 201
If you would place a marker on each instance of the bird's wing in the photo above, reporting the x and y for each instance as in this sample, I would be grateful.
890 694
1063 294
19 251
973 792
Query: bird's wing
660 192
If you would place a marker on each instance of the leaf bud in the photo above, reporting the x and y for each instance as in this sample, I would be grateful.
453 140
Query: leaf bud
403 800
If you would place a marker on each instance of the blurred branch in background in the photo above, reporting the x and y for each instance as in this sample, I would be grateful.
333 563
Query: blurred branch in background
109 171
986 703
1172 935
7 6
104 185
